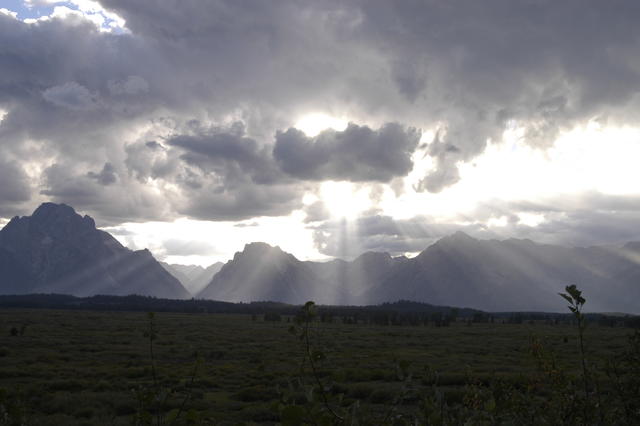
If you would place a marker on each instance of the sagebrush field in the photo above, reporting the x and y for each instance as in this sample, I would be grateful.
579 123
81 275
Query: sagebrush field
82 368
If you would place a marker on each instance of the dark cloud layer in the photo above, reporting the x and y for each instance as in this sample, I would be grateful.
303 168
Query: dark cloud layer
139 125
229 154
221 173
14 188
106 176
356 154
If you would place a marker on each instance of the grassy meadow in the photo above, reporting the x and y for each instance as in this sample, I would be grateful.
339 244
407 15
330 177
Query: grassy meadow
88 368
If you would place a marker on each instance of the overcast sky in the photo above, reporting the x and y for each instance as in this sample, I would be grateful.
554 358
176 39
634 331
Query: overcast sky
328 128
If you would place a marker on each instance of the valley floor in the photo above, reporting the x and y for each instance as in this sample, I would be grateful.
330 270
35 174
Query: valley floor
83 368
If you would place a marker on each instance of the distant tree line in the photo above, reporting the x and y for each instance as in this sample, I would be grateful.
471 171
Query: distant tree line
400 313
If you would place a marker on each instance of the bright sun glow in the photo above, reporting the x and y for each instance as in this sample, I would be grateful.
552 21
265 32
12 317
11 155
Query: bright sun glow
344 200
313 124
586 159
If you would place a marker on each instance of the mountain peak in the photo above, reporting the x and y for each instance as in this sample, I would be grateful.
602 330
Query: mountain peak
52 212
458 237
57 250
60 215
257 250
373 256
258 245
47 209
260 248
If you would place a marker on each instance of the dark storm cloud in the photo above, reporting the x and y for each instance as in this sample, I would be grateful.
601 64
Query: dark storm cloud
356 154
85 98
242 203
108 203
222 173
106 176
72 96
236 177
590 218
229 154
587 228
14 188
151 160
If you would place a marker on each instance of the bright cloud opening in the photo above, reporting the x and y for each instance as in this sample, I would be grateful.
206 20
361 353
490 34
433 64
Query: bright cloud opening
313 124
288 232
345 200
43 10
586 159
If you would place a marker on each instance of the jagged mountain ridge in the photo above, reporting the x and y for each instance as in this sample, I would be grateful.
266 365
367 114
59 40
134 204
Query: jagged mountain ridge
56 250
262 272
182 273
457 270
193 277
265 273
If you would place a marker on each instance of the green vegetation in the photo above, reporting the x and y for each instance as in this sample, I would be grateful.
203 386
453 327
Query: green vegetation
122 368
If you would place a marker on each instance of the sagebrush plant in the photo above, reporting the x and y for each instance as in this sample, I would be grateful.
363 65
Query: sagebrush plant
320 405
152 400
318 408
553 397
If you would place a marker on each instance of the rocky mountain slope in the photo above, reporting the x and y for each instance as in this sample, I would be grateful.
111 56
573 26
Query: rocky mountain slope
56 250
457 270
193 277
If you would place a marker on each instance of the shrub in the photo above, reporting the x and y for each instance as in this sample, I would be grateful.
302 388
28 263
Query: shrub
256 393
361 391
382 396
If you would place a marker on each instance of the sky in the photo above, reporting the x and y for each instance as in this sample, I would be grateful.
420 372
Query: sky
327 128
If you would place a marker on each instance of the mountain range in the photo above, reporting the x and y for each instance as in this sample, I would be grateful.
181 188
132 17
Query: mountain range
57 250
458 270
193 277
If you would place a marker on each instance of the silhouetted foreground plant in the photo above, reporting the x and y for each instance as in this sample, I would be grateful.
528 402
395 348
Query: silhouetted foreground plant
317 409
576 302
152 400
319 404
554 396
